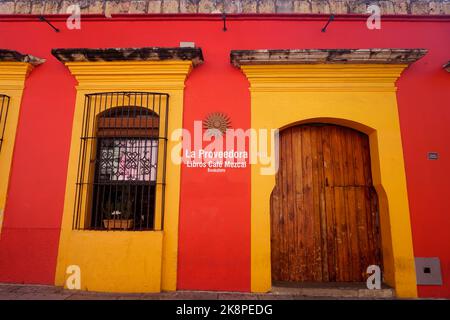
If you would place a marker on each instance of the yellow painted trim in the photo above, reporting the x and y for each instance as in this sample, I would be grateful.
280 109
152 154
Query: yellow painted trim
12 82
135 261
359 96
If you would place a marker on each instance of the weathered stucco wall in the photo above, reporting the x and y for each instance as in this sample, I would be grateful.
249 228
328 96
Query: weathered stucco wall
414 7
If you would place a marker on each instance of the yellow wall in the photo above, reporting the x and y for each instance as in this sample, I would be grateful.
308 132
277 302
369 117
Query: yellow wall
116 261
359 96
122 261
12 82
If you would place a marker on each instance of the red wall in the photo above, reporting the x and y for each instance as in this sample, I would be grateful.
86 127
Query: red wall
214 242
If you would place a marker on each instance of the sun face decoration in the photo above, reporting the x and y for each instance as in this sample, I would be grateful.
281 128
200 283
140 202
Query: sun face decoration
216 124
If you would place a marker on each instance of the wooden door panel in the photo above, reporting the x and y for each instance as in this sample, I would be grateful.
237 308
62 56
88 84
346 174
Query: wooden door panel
324 213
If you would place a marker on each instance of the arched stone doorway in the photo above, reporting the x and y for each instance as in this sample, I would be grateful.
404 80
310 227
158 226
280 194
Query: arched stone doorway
325 223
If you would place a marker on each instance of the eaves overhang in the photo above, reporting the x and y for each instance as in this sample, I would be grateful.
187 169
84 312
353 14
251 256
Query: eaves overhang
129 54
7 55
326 56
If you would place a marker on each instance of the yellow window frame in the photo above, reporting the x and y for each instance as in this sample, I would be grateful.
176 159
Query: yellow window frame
125 261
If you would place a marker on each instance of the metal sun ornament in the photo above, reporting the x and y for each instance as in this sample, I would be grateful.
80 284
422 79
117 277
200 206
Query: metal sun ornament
216 124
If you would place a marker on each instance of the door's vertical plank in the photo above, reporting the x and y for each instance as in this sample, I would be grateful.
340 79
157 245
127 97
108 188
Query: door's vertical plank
347 182
297 239
292 259
361 201
363 232
322 205
333 180
346 167
340 233
353 146
376 230
343 218
339 203
352 233
372 243
316 214
366 162
329 202
370 227
308 203
338 163
350 148
358 159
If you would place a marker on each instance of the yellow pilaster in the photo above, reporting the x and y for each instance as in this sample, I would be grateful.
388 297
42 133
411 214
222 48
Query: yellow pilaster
12 83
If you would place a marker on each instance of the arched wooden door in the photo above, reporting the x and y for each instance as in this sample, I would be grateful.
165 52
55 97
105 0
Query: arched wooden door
324 209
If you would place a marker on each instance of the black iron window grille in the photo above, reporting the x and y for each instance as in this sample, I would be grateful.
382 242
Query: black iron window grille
122 162
4 105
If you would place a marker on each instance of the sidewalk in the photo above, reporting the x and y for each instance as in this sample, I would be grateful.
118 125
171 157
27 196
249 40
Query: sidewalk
41 292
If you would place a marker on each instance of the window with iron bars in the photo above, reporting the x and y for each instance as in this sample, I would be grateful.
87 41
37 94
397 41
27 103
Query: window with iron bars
122 162
4 105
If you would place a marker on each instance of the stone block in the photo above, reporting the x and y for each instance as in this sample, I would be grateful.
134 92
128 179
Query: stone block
7 7
338 7
249 6
189 6
170 6
51 7
387 7
320 6
139 6
266 6
283 6
420 7
302 6
401 7
22 7
210 6
116 7
154 6
233 6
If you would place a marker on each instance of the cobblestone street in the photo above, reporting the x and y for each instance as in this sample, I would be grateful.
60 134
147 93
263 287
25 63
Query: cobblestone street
41 292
